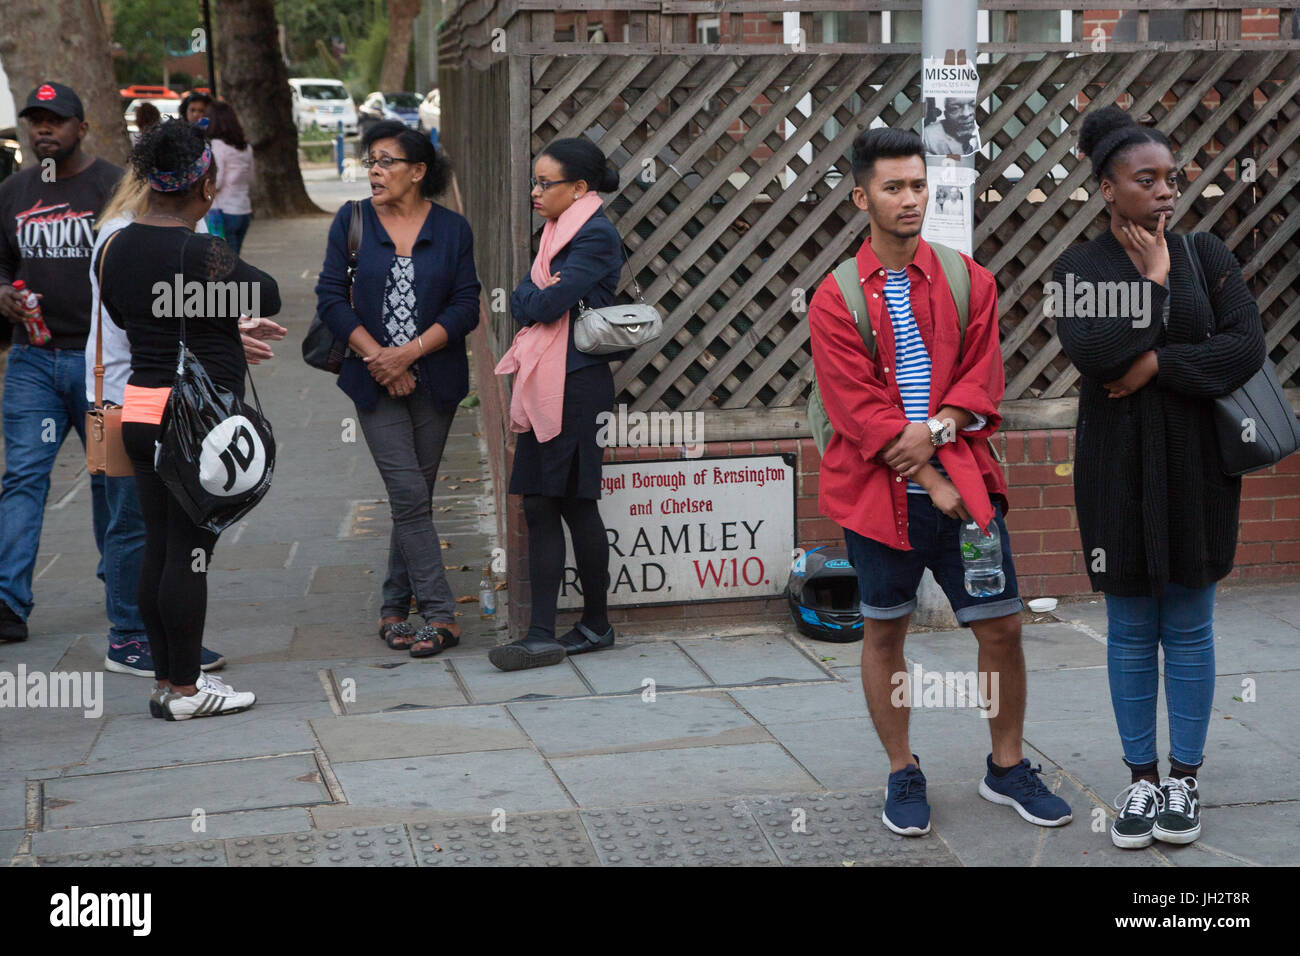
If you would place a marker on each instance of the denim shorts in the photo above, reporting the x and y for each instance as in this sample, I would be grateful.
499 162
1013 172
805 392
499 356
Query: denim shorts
888 578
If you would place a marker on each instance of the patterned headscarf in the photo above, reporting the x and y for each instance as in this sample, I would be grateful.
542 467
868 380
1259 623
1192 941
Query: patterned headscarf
172 182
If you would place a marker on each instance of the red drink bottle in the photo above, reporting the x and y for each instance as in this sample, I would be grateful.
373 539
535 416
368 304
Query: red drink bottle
38 333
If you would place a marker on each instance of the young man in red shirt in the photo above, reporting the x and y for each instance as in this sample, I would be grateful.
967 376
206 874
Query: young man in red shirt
909 464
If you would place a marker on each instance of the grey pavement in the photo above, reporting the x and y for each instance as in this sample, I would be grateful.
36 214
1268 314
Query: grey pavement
737 743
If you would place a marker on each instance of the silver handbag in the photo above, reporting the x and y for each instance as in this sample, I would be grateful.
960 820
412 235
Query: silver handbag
616 328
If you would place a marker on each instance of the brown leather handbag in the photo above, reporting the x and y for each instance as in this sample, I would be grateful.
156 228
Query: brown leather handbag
105 453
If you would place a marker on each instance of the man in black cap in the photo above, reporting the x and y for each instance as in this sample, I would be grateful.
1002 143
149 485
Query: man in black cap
47 216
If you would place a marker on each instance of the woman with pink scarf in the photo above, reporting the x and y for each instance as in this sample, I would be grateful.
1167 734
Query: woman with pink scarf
558 392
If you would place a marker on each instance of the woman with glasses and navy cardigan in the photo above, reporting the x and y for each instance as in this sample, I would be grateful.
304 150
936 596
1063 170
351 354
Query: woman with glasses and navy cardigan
558 394
413 301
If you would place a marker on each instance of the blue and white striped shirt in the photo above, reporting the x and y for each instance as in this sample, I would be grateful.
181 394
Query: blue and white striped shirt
911 360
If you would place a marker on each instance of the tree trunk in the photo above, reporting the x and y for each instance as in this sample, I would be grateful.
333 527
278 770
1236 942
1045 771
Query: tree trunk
66 42
401 20
256 83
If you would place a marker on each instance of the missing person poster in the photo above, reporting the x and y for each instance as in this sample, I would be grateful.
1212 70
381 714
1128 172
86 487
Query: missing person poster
950 213
694 529
950 90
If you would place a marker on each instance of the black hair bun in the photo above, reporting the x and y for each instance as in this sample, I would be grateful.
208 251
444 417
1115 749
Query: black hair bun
1099 123
608 181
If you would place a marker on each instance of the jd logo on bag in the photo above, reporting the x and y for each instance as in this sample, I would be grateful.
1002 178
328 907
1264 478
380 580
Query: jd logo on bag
216 454
233 458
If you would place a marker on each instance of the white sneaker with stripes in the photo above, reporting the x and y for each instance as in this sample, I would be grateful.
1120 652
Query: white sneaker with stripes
213 697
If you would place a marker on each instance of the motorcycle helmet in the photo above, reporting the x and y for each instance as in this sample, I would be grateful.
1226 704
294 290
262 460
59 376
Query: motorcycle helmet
824 598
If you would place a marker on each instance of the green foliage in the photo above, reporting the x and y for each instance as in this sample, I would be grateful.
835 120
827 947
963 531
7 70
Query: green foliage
149 31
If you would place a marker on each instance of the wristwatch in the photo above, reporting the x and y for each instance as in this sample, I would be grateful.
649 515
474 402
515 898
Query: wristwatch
936 431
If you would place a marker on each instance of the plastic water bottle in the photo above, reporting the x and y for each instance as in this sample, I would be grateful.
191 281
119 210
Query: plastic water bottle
981 554
487 594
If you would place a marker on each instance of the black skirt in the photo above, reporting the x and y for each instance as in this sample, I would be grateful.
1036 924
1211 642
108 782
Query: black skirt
569 465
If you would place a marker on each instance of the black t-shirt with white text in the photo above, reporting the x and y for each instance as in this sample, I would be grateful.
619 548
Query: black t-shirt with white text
47 231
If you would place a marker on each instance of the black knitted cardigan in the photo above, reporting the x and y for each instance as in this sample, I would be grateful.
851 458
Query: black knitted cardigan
1154 505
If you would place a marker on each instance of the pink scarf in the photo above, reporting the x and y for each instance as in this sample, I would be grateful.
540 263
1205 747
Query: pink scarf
539 351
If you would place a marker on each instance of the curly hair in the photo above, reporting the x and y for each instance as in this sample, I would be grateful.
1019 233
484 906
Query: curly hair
418 149
167 147
1108 133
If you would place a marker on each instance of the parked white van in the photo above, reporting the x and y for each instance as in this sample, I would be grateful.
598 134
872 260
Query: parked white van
323 102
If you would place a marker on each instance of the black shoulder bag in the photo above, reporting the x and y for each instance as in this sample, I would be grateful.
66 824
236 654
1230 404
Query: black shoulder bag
1255 424
320 349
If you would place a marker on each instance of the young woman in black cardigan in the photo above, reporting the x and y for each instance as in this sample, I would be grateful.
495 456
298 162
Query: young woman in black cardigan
1157 516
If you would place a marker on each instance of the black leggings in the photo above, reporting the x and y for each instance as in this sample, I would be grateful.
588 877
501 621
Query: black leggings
173 589
546 559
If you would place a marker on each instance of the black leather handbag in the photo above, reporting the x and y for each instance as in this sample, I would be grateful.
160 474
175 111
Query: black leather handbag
320 349
1256 424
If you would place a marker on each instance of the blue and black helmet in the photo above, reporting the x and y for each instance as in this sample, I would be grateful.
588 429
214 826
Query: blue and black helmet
824 598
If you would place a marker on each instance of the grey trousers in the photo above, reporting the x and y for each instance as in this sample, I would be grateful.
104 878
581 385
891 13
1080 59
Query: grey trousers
406 438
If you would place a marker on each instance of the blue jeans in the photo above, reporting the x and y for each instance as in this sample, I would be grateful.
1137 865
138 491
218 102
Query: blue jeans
1182 619
44 396
234 227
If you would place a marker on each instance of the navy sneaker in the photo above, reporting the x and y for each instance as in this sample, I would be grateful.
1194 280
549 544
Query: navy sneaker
133 657
1023 789
906 811
210 660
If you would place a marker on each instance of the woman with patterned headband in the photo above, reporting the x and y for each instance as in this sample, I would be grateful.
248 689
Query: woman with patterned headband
161 249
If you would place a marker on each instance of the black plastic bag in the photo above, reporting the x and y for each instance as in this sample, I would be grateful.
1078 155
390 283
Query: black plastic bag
217 454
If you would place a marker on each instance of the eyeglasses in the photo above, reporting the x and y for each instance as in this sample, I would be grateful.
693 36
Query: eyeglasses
384 162
547 184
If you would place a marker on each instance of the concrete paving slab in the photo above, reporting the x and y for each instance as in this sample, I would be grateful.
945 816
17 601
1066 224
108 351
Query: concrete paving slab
1231 773
628 724
516 781
254 640
690 774
840 754
751 659
218 826
363 846
487 685
139 741
521 839
402 681
245 556
823 700
344 579
172 792
625 667
1281 601
716 833
1272 712
13 801
838 829
1265 834
10 841
32 740
1047 647
417 733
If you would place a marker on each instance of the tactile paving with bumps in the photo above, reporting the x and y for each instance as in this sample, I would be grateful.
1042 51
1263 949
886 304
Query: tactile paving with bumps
678 834
364 846
206 853
528 839
838 829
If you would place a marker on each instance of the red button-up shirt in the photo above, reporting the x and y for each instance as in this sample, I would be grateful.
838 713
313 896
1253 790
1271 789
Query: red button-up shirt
862 399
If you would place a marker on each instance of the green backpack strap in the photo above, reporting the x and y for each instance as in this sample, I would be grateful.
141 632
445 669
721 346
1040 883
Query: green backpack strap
955 271
850 283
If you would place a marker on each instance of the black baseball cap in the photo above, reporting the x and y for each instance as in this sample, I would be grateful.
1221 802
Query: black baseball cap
55 97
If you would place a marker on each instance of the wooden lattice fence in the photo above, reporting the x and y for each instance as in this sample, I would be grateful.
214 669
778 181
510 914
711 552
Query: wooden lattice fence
734 195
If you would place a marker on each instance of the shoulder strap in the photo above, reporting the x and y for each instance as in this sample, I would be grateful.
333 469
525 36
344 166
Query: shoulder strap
1194 260
958 277
99 326
850 283
354 236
